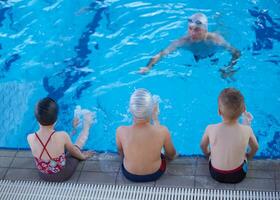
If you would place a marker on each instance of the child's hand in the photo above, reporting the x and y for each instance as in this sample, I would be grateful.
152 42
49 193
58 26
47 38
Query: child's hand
88 154
247 118
88 119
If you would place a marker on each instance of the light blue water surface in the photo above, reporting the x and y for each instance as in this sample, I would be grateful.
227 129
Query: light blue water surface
88 53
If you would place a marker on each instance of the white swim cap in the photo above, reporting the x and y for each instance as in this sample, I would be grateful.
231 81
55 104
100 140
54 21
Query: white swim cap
198 20
141 104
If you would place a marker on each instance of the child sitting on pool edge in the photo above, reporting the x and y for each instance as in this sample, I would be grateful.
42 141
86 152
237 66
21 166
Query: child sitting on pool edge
228 140
141 143
48 146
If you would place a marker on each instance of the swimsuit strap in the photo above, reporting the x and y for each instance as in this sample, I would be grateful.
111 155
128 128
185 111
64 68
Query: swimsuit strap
44 145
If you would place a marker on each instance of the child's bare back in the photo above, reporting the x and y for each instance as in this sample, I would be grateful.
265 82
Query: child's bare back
142 144
226 143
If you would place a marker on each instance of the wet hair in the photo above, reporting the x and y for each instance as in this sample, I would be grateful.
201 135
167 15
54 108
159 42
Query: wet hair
231 103
46 111
141 104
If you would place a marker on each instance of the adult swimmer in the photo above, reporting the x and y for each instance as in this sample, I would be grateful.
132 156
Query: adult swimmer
201 43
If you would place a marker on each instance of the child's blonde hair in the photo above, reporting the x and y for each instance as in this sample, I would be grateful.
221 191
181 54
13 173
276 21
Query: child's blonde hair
231 103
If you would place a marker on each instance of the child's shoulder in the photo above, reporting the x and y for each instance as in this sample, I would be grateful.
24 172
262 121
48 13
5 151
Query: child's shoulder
161 127
30 137
211 129
122 128
213 126
61 134
246 128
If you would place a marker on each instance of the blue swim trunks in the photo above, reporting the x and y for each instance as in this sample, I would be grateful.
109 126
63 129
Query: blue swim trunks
148 177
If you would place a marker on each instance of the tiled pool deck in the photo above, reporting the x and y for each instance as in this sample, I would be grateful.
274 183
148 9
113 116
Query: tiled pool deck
189 172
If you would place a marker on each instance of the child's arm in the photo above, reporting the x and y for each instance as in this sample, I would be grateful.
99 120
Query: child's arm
75 123
155 112
253 144
169 149
74 150
204 144
118 142
247 118
87 122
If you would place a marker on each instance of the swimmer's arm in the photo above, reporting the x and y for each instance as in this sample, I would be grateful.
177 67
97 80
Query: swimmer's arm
253 144
204 144
172 47
235 53
118 142
169 149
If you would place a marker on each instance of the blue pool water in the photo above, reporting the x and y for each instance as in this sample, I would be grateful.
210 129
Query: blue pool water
87 53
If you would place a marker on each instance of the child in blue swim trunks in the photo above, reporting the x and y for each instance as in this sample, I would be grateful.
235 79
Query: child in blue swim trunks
141 143
229 139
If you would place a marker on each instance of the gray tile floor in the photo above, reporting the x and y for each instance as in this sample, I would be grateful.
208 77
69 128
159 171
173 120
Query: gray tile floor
104 168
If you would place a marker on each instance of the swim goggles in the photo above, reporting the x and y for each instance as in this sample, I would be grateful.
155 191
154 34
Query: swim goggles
196 22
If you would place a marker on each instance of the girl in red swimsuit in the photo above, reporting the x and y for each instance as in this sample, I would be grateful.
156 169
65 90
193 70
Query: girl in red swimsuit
48 146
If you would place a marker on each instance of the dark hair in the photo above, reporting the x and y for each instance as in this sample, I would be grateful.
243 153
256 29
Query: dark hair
231 103
46 111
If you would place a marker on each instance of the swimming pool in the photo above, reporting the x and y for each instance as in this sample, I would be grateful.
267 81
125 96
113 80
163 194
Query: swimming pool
88 54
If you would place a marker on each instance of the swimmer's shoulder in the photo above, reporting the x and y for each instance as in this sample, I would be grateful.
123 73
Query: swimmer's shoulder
183 41
186 38
215 37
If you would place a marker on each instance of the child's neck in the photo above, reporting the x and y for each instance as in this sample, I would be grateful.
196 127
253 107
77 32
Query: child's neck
229 121
141 122
46 129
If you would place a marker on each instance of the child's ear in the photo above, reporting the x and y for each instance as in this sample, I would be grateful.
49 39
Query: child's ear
219 111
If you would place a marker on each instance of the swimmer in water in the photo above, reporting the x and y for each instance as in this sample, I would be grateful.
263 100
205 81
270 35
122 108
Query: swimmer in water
200 42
